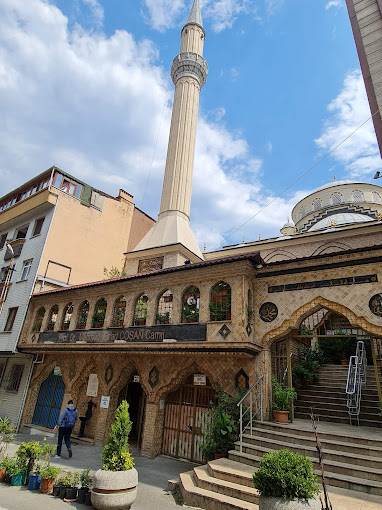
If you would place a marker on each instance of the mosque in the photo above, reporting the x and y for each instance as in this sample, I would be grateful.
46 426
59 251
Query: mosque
182 324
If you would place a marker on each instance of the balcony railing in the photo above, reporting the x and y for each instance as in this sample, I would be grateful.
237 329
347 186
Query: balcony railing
16 247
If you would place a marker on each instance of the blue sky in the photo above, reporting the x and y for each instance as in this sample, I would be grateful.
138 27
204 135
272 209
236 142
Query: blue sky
86 87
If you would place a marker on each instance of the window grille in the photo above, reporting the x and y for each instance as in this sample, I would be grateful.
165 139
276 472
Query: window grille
67 317
358 196
53 314
190 305
119 311
220 302
376 198
140 311
12 312
99 313
15 377
317 204
164 309
337 198
38 320
83 313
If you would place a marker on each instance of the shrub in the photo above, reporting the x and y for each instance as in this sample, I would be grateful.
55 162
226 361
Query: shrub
7 431
49 472
14 467
282 396
28 453
308 365
70 479
86 478
116 454
286 475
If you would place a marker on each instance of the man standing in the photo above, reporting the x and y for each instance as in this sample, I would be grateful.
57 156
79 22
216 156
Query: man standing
65 426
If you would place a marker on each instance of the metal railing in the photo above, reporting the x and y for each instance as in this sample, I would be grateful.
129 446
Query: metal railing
251 409
356 380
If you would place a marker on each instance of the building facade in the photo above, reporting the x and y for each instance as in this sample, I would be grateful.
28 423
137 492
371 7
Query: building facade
54 231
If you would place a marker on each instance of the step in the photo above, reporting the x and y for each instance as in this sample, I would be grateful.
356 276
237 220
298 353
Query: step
306 397
366 407
332 409
206 481
291 437
202 498
333 479
349 436
338 419
322 393
310 450
231 471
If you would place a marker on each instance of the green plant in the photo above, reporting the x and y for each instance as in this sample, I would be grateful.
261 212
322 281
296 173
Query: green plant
70 479
308 365
116 454
223 428
6 462
28 452
7 432
47 451
50 472
113 272
86 478
287 475
14 467
282 396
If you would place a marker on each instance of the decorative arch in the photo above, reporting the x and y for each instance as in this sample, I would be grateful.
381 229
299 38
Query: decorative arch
165 307
67 317
305 310
190 305
277 255
330 248
83 313
99 314
52 319
220 302
39 318
119 311
141 309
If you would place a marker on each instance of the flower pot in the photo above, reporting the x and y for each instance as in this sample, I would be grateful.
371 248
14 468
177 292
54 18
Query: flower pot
88 499
62 492
81 497
17 480
46 486
34 482
281 416
114 489
71 494
56 491
283 504
2 474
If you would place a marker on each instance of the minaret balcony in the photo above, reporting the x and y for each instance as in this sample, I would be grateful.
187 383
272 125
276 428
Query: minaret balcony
189 64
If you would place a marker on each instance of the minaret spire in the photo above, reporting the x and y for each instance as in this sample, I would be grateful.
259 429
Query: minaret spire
189 73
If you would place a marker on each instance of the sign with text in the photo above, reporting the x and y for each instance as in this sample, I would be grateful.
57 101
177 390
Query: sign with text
105 402
138 334
200 380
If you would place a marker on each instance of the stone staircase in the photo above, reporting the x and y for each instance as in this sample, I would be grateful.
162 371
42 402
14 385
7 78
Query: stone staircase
353 462
328 398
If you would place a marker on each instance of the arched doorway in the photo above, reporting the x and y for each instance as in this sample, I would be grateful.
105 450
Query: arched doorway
186 419
49 402
135 396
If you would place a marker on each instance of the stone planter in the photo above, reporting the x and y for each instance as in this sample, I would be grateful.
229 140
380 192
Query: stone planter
282 504
114 489
281 416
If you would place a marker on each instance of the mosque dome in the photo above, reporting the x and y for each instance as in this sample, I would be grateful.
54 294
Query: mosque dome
337 204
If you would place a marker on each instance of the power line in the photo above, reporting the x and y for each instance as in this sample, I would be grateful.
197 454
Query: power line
303 174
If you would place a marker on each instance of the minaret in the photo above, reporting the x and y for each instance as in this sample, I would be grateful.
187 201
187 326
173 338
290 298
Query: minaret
189 73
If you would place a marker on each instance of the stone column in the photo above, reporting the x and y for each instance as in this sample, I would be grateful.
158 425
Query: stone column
152 437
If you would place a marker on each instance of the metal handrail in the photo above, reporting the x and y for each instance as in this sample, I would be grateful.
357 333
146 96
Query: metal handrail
356 379
253 410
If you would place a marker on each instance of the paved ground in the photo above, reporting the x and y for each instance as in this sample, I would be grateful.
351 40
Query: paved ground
152 491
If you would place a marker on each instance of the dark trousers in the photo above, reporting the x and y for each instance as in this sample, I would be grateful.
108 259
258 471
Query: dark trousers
64 434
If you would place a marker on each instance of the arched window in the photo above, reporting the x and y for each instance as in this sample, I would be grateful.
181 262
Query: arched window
83 312
38 320
337 198
377 197
119 311
317 204
190 305
67 317
164 309
220 302
140 310
358 196
53 314
99 313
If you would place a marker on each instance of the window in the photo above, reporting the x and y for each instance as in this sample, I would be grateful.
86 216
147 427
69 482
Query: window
27 266
376 198
53 314
3 273
83 313
140 311
164 309
220 302
37 325
67 316
38 227
119 311
99 313
337 198
316 204
21 233
15 377
3 239
190 305
358 196
12 312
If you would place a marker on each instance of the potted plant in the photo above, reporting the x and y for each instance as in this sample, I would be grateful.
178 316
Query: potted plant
34 481
72 489
65 483
282 400
29 452
115 485
48 476
86 480
286 481
5 462
17 472
7 431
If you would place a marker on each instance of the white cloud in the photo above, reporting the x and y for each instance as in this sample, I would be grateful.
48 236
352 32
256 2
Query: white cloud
96 10
333 4
163 14
99 106
272 6
348 111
